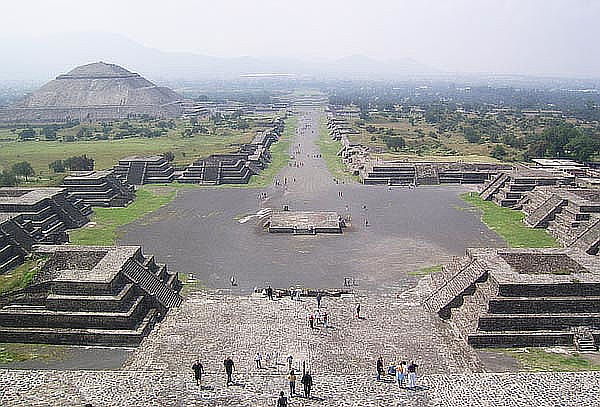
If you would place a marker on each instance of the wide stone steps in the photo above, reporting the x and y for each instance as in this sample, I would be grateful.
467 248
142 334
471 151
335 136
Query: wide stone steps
10 262
519 338
556 305
78 336
136 173
152 285
535 322
41 316
116 302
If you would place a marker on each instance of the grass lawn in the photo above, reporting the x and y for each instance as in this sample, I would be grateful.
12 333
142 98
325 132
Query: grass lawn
19 352
21 276
108 220
107 153
280 156
508 223
540 360
425 271
329 150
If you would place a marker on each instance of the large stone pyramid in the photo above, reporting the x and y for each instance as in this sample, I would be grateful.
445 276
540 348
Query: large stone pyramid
95 91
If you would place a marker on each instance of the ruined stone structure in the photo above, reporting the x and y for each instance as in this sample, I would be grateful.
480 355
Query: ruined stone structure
99 188
235 168
304 222
509 188
16 240
89 295
140 170
571 215
96 91
46 213
358 160
519 297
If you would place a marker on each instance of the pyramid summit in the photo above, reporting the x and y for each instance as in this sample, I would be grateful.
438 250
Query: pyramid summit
95 91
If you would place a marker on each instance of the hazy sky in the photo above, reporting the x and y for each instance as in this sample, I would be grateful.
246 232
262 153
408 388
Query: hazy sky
509 36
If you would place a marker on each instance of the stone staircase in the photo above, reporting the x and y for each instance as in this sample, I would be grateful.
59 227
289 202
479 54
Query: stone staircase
492 187
152 285
545 212
584 339
136 173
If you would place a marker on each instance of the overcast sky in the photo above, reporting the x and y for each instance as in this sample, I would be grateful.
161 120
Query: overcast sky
547 37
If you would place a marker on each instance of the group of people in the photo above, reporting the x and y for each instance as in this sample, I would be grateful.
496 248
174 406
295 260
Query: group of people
405 374
317 318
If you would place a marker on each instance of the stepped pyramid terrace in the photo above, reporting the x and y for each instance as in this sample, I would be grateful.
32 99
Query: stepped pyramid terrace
45 212
17 238
96 91
89 296
99 188
520 297
140 170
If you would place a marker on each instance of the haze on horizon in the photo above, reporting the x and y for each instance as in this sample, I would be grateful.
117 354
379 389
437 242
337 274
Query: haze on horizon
534 37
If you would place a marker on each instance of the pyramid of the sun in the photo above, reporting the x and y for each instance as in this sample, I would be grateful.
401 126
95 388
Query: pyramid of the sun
95 91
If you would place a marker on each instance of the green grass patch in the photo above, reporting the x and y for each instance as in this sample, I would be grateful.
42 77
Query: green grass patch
20 352
540 360
425 271
329 150
280 156
21 276
508 223
108 220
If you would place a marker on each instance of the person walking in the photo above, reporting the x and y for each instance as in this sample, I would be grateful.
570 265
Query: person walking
198 370
229 365
282 401
401 373
358 311
325 320
319 298
292 382
270 292
258 359
307 381
412 375
311 321
379 368
290 359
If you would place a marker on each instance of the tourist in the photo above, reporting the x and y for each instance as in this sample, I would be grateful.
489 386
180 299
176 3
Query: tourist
401 373
325 320
379 368
311 321
412 375
198 370
270 292
233 282
292 381
358 311
258 359
290 359
282 400
228 369
307 381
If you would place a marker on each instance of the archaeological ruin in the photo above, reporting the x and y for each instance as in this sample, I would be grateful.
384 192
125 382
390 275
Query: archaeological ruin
304 222
520 297
140 170
96 91
99 188
89 295
46 213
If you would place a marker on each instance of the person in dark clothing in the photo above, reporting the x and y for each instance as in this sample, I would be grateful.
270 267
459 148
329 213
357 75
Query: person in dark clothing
198 370
379 368
358 311
282 401
307 381
319 297
229 369
311 321
270 292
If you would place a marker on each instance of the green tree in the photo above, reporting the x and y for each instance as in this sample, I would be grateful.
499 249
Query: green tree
472 135
27 134
57 166
7 179
498 152
394 143
23 169
582 147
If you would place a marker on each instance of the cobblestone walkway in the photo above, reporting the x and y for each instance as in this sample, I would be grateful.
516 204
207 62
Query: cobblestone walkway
212 326
129 388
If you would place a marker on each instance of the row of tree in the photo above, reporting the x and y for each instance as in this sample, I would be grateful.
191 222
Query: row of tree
75 163
18 171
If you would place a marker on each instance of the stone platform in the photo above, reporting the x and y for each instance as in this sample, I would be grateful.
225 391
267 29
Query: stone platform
305 222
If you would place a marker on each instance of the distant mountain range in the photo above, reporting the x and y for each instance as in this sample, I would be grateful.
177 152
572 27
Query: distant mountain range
41 59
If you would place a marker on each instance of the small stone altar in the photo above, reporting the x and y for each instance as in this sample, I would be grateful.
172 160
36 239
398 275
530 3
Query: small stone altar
305 222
